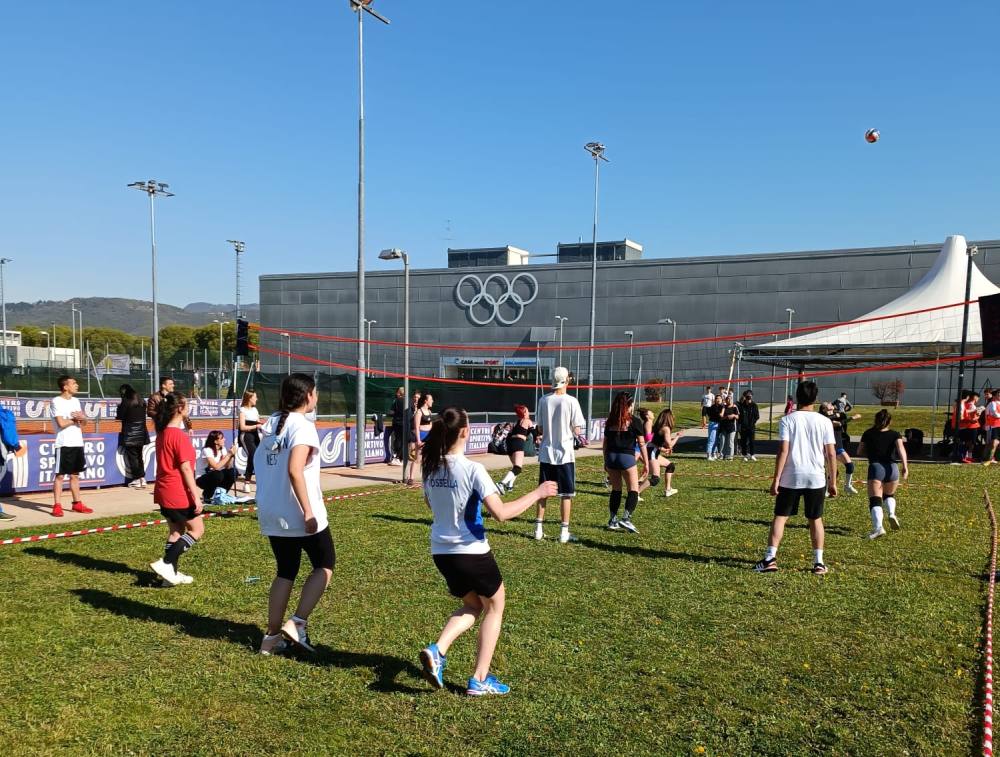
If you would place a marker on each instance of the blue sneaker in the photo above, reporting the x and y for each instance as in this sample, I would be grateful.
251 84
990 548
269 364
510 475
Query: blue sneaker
434 664
490 686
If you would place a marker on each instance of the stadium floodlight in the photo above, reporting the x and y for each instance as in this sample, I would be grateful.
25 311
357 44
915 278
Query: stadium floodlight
154 189
3 305
362 8
288 336
239 247
394 253
596 150
673 352
562 321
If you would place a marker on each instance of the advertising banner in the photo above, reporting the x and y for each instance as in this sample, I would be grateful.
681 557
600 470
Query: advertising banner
38 409
113 365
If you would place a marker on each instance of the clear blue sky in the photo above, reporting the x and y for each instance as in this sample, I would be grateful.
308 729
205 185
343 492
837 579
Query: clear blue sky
732 127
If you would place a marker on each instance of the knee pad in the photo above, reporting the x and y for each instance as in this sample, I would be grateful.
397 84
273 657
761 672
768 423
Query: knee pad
669 468
654 480
849 467
516 470
874 502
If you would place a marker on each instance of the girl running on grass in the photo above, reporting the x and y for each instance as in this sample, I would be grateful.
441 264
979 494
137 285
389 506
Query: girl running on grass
621 436
663 442
176 491
291 512
515 446
454 489
879 443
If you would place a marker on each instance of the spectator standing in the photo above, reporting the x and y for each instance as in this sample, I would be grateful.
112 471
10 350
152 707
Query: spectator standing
166 387
749 417
398 413
706 402
133 437
993 428
727 426
714 418
70 461
562 421
249 427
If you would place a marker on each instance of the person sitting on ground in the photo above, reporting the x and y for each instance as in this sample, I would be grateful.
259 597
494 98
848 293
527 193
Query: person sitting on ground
216 466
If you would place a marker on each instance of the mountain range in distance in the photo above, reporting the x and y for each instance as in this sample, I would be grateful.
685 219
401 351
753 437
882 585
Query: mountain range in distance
131 316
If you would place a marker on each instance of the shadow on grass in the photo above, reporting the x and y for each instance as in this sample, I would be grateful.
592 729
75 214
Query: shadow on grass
835 530
664 554
402 519
385 667
143 578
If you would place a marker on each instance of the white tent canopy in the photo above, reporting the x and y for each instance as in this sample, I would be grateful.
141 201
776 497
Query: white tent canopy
918 334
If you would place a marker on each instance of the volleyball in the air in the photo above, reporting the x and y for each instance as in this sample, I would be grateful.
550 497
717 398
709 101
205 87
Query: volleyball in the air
871 136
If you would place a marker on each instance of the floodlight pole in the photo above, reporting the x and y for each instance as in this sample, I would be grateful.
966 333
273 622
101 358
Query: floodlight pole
631 337
596 150
673 353
562 321
239 248
3 305
970 252
791 312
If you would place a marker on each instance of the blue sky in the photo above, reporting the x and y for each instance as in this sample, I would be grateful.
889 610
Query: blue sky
732 127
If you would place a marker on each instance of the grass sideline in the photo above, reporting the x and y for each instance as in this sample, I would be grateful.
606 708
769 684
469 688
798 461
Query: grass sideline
661 643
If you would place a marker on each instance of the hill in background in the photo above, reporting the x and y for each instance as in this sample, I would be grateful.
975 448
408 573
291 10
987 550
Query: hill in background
130 316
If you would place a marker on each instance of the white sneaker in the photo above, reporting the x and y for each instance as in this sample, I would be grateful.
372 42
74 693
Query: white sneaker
165 571
396 462
877 534
297 635
893 522
184 578
142 483
753 458
851 489
669 492
565 537
539 534
270 645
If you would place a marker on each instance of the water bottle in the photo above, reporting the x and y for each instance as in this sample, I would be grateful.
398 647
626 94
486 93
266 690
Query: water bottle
252 580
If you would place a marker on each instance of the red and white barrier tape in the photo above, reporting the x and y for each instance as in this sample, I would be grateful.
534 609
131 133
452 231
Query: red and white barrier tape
988 683
157 522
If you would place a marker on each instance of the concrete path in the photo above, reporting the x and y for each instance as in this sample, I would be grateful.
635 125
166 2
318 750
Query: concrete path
36 509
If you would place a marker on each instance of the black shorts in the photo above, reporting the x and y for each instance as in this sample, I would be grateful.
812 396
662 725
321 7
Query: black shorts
465 573
515 444
787 502
886 472
288 552
620 461
564 475
704 411
69 460
993 433
179 516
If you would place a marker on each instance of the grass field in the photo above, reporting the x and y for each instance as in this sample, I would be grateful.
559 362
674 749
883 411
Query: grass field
662 643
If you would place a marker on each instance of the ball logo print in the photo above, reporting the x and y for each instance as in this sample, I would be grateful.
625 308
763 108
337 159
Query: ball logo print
497 298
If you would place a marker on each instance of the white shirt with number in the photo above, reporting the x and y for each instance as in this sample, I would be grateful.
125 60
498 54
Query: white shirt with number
71 435
456 492
278 511
807 434
558 415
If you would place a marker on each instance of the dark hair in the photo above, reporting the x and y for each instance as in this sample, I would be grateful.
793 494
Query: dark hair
664 419
129 395
423 396
882 419
167 409
63 380
295 390
806 393
212 436
246 397
748 394
619 417
164 380
441 438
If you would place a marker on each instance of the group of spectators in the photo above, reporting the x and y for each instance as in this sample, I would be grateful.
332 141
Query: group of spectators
977 420
731 425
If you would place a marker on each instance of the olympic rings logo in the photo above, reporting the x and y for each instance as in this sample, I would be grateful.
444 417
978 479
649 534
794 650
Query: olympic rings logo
494 303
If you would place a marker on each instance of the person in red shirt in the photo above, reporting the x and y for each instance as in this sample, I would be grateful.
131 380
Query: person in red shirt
176 491
968 425
992 414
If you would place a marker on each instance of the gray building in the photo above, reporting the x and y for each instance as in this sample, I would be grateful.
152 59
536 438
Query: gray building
477 315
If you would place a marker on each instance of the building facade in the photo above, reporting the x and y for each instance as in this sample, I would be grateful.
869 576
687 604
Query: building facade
477 315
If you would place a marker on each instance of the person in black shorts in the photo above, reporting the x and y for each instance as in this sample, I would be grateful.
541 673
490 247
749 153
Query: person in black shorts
516 439
663 443
840 421
804 469
621 437
880 443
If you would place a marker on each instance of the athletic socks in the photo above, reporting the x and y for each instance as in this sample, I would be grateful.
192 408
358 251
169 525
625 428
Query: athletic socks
875 503
818 556
890 504
175 549
771 553
614 502
508 480
631 502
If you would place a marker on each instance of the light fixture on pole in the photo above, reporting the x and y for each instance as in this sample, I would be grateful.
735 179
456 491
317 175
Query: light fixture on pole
791 312
289 351
561 320
48 348
673 352
3 304
368 341
394 253
361 7
631 337
154 189
239 247
218 383
596 150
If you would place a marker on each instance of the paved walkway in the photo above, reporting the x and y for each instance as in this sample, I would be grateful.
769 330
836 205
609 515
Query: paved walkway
36 509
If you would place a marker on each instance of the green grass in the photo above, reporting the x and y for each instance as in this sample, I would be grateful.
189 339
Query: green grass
661 643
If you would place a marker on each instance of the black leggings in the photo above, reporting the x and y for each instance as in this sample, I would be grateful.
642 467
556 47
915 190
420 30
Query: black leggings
211 480
249 441
133 462
747 440
288 552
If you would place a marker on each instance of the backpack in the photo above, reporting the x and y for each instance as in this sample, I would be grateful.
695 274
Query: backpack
498 440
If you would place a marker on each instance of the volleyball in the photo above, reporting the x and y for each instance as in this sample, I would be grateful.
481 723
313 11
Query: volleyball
871 136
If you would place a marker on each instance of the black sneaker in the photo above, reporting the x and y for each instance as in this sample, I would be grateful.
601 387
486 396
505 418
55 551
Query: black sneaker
766 566
819 569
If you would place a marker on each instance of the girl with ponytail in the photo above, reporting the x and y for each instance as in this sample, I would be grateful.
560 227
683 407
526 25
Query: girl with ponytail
176 491
291 513
455 489
880 444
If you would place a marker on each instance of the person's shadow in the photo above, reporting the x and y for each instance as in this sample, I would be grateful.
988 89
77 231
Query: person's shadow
145 578
386 668
836 530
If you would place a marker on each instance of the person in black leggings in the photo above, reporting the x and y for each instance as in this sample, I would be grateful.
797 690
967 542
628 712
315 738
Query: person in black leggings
621 437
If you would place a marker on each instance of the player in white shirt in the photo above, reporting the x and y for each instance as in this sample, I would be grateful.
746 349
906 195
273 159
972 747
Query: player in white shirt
455 489
707 400
68 417
805 468
291 512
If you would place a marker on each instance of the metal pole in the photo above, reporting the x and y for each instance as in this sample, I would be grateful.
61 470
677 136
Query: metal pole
934 401
538 373
359 440
673 354
406 363
156 314
612 380
970 251
3 306
631 338
638 373
791 312
770 407
79 313
72 330
593 303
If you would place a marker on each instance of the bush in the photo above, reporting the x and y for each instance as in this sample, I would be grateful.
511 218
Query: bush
888 392
654 392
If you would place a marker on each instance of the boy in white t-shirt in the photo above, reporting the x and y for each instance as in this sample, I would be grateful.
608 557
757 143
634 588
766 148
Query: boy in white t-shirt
68 418
805 468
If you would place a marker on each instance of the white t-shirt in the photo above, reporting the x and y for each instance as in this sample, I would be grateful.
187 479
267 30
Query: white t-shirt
558 415
278 511
807 434
250 414
456 492
707 400
207 453
72 435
